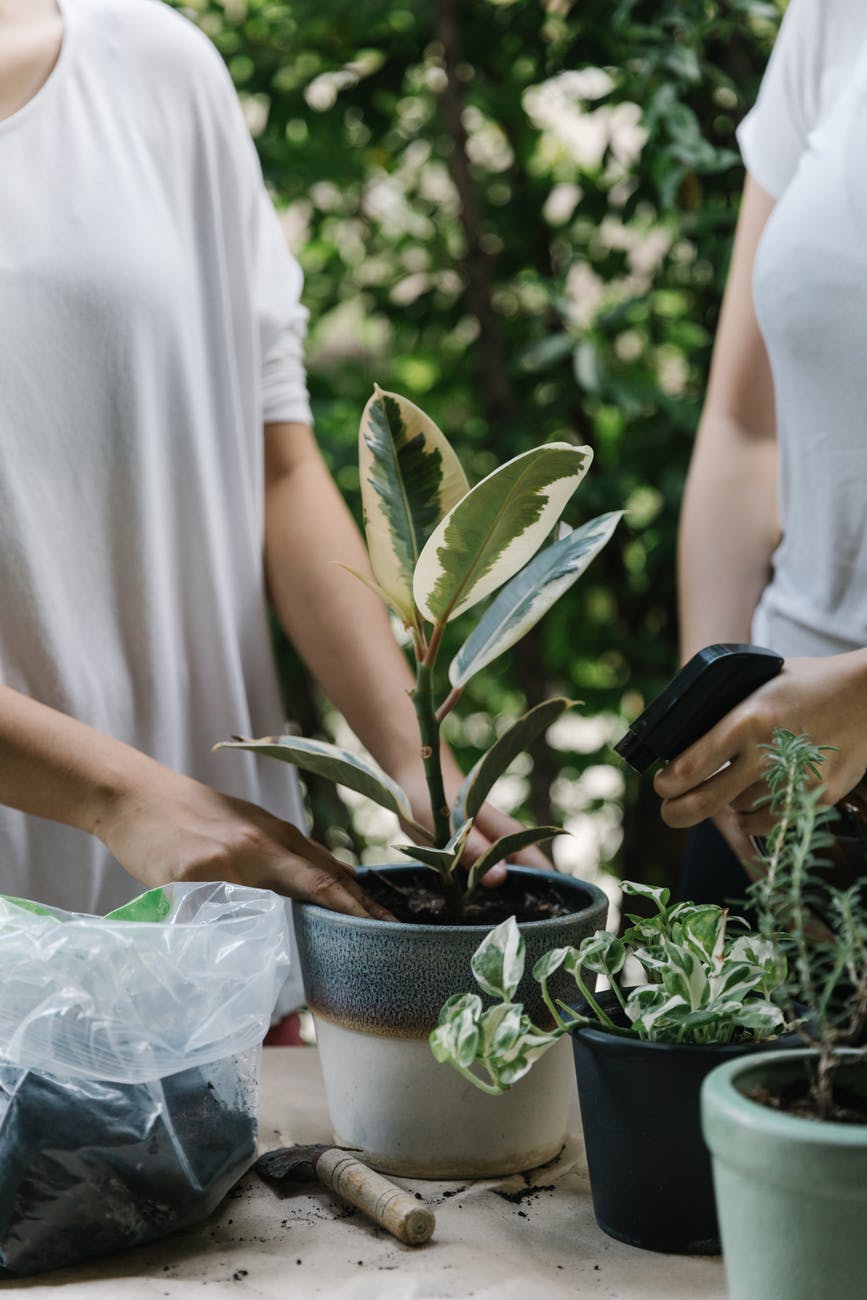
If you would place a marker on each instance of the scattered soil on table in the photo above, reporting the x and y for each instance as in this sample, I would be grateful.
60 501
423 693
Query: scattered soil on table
414 899
795 1099
516 1198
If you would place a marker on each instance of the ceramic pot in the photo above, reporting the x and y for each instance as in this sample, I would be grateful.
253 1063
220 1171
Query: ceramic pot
792 1192
375 989
650 1172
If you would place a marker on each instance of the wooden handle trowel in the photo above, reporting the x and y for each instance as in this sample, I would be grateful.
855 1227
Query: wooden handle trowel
393 1209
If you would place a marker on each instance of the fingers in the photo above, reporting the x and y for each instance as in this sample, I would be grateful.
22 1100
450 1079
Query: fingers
495 876
315 876
722 767
706 798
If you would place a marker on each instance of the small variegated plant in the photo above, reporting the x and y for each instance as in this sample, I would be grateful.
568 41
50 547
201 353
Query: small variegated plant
437 548
701 985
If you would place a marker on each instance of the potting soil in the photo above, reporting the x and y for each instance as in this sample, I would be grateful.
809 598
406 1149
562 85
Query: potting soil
88 1167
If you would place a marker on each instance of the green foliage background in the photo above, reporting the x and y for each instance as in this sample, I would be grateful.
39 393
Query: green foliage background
518 213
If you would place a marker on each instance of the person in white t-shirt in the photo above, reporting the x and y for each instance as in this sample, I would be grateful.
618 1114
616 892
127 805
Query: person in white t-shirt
773 542
159 482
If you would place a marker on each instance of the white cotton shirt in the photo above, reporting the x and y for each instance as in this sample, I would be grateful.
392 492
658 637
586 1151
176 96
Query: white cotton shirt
149 323
804 142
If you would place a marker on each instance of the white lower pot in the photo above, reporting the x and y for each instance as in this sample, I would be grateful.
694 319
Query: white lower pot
375 989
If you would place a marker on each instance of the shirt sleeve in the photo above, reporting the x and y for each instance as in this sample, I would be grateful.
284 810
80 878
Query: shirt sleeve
277 284
773 135
274 279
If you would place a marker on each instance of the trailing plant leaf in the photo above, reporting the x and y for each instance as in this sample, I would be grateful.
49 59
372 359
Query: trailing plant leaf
657 895
652 1010
336 764
457 1034
529 595
478 784
498 962
505 1041
603 953
496 529
505 846
703 929
410 477
550 962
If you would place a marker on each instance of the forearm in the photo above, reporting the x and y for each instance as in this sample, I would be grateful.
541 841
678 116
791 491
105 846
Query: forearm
157 823
53 766
728 532
338 625
729 523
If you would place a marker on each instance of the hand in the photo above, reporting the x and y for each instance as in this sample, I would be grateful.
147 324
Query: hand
490 823
178 829
728 825
824 698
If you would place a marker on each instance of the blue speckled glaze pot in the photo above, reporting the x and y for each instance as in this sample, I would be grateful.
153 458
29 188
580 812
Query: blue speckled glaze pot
376 988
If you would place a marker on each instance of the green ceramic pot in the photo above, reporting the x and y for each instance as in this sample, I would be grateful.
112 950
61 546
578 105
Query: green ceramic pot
791 1192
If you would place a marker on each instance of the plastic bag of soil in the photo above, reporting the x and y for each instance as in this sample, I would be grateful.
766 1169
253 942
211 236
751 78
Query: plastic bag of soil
129 1055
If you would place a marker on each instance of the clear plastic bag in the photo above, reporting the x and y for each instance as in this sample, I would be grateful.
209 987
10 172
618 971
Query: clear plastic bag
129 1054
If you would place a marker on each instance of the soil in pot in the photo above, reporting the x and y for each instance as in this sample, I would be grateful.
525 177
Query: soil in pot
414 898
795 1099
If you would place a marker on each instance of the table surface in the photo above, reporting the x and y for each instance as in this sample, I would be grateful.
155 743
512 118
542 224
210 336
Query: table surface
505 1239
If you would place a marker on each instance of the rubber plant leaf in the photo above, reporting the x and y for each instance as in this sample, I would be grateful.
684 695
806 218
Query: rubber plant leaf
477 784
505 845
332 762
443 860
496 529
529 595
410 477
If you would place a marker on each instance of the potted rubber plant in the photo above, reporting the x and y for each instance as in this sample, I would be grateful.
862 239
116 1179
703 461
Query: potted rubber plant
437 549
788 1131
641 1051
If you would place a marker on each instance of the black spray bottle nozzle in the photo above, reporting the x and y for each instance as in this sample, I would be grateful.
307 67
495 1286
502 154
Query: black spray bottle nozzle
705 689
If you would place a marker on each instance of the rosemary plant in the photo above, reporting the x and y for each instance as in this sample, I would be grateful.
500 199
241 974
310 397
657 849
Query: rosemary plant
820 930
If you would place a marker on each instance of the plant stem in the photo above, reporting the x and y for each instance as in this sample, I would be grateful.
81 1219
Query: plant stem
429 731
449 702
592 1003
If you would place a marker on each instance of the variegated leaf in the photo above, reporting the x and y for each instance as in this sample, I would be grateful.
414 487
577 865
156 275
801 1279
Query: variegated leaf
476 786
496 529
505 845
456 1037
529 595
498 962
443 860
332 762
410 477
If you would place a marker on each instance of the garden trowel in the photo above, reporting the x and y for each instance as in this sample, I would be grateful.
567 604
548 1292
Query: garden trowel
392 1208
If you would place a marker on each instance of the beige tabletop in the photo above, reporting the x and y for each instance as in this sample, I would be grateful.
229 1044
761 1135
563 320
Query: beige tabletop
519 1238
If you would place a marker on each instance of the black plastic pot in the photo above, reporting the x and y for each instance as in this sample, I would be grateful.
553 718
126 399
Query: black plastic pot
650 1173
